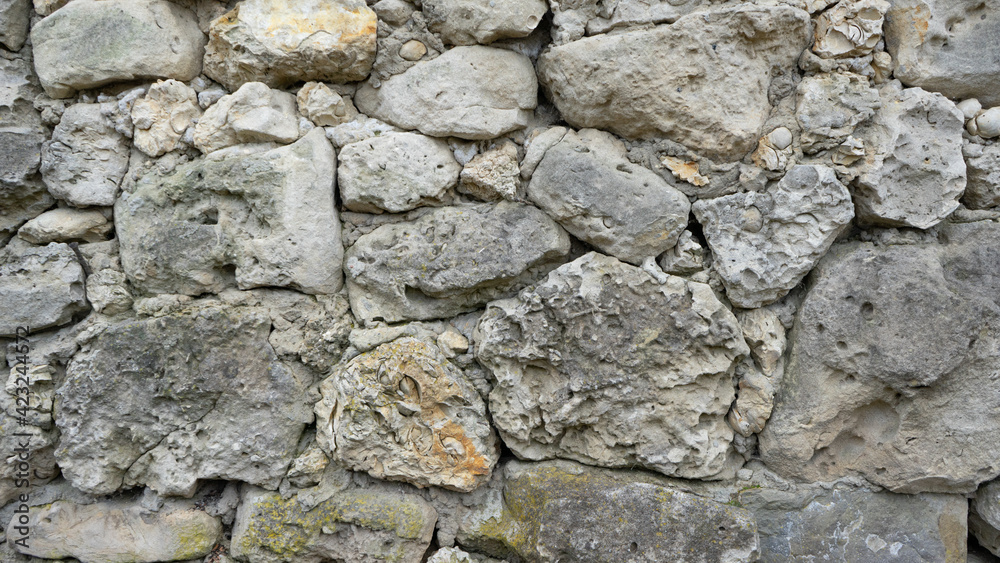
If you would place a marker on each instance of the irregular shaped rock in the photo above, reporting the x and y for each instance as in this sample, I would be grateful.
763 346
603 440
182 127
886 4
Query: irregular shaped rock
14 15
493 175
913 173
403 412
852 28
86 159
587 184
166 401
449 261
354 526
572 19
986 124
602 364
684 259
119 532
280 42
46 7
664 82
90 43
324 107
252 114
40 287
765 242
468 22
395 173
21 132
983 188
467 92
66 225
938 45
984 516
163 115
562 511
245 220
873 389
32 431
830 107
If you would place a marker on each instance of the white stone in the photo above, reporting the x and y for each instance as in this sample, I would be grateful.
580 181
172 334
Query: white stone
163 115
252 114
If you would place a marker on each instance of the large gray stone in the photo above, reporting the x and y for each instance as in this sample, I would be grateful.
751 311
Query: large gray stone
234 219
765 242
163 402
468 92
587 184
451 260
946 46
571 20
40 287
602 364
89 43
14 15
873 388
671 80
468 22
563 511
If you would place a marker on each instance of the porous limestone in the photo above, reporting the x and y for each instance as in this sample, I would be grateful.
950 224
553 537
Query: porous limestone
40 287
470 22
324 107
162 117
252 114
851 28
982 190
831 106
493 175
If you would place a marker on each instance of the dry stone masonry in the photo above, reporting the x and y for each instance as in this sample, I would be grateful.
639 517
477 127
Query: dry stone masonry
505 281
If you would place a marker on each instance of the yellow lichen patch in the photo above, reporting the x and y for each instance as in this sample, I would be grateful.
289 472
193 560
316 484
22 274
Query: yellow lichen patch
289 23
685 170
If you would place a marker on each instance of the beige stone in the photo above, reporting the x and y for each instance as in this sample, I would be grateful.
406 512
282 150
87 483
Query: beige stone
66 225
163 115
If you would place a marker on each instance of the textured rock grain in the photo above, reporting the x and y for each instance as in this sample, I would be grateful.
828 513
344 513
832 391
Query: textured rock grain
40 287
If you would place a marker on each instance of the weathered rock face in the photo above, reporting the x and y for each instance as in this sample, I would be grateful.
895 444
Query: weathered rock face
984 516
163 115
30 429
167 401
563 511
830 107
403 412
253 220
40 287
395 173
119 532
354 526
456 259
66 225
280 42
913 173
586 183
468 22
766 242
324 107
14 15
665 82
468 92
852 28
871 389
493 175
983 168
252 114
95 42
917 31
602 364
86 159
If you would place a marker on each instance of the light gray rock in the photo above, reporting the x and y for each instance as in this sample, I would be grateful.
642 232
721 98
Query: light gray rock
354 526
66 225
938 45
108 292
467 92
986 124
90 43
913 173
852 28
252 114
873 389
86 159
468 22
639 84
324 107
571 20
493 175
563 511
764 243
119 532
450 261
161 118
14 15
684 259
40 287
984 516
31 435
983 188
232 219
46 7
163 402
403 412
395 173
281 42
587 184
602 364
830 106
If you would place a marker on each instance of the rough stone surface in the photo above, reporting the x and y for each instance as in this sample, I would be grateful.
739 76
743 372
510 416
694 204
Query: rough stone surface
984 516
831 106
851 28
982 190
872 389
602 364
252 114
395 173
86 159
765 242
664 83
94 42
939 45
403 412
261 219
167 401
563 511
324 107
354 526
571 20
66 225
468 22
456 259
119 532
163 115
586 183
14 15
35 434
280 42
40 287
468 92
913 173
493 175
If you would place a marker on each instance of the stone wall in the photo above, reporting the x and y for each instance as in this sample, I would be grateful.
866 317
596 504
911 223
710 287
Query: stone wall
470 281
